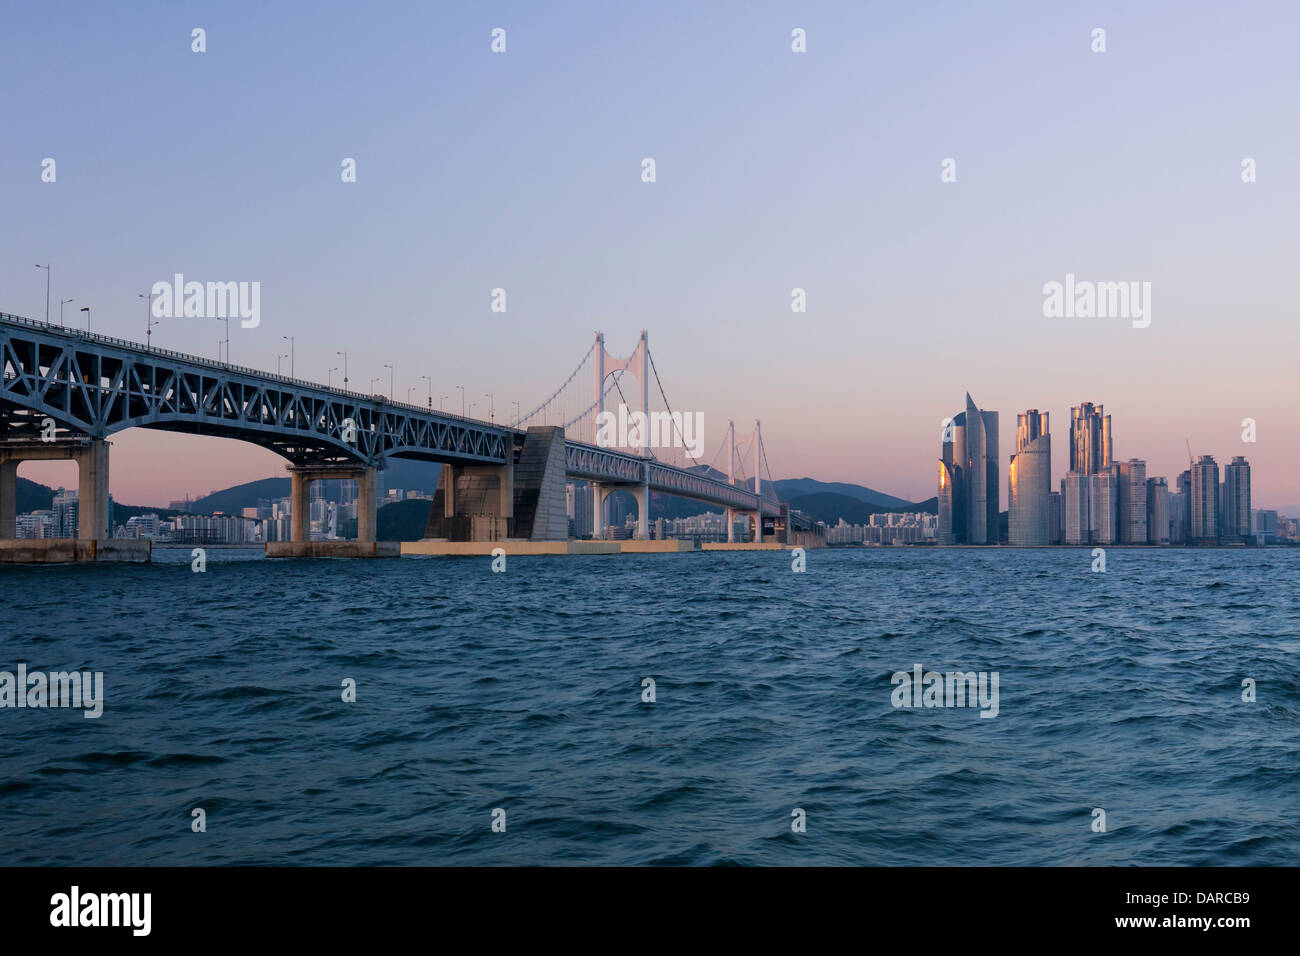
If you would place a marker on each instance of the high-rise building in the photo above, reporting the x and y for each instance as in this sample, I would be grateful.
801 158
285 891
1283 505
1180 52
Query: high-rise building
1204 494
1029 482
1056 519
968 478
1090 439
1178 517
1076 522
1132 476
1264 526
1236 500
1103 506
64 524
1157 511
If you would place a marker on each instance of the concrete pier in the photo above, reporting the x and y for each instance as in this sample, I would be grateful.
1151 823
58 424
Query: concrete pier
71 550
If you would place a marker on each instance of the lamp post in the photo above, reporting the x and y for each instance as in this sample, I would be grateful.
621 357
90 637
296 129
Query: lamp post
291 349
86 309
329 377
149 323
429 379
277 362
442 402
409 390
46 267
225 319
62 303
462 400
491 406
372 385
390 381
345 369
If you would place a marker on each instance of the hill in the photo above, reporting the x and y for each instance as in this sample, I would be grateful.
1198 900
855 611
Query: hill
830 507
33 496
790 488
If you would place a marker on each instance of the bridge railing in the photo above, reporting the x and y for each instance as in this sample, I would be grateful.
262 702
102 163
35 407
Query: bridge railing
226 366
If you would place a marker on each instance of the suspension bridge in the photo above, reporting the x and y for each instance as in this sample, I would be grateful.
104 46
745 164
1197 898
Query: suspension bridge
64 392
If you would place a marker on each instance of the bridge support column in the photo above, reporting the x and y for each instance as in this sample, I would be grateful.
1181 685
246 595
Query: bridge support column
731 526
597 511
8 499
92 491
448 478
367 505
758 526
299 505
642 495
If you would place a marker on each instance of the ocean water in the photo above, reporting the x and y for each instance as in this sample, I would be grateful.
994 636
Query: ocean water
523 691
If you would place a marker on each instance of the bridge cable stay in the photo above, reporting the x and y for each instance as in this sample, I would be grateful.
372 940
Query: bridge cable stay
581 365
664 396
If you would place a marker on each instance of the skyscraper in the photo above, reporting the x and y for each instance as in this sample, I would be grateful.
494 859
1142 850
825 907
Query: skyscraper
1090 439
1103 506
1204 526
1236 499
1029 482
1074 500
1132 501
1157 511
968 478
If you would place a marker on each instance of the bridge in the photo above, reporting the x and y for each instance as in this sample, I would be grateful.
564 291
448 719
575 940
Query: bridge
64 392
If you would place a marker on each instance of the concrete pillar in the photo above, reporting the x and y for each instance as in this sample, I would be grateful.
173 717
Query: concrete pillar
758 526
731 526
597 511
506 488
8 499
642 495
92 491
449 475
299 506
367 505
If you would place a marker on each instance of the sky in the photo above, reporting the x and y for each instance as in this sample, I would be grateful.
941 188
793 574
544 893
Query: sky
775 170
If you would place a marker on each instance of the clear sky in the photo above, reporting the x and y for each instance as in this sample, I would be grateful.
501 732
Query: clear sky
775 170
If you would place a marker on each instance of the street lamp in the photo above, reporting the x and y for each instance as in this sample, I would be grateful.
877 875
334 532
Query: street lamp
518 412
149 323
462 400
277 362
491 406
409 390
372 385
46 267
442 403
86 309
225 319
329 377
62 303
345 369
290 338
430 381
390 381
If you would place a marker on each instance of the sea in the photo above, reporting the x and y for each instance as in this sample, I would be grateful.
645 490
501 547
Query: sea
711 708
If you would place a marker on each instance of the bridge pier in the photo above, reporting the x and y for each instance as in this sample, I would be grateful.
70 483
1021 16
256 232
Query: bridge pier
91 456
642 495
301 477
473 503
597 511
